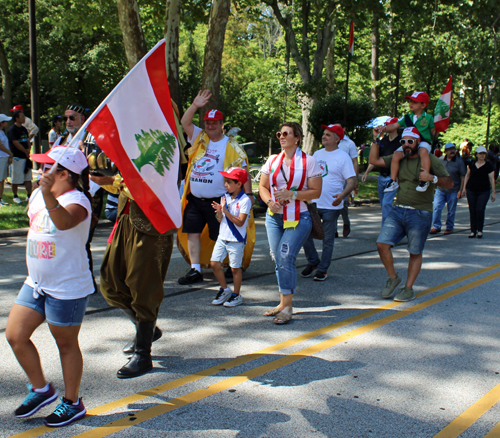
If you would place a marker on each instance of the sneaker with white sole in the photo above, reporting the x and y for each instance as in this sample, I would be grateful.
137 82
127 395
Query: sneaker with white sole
320 276
2 202
35 401
390 286
308 270
405 294
222 296
233 301
65 413
422 186
393 185
17 200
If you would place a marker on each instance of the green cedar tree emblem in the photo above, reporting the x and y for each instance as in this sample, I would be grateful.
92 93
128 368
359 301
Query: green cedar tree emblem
442 108
157 148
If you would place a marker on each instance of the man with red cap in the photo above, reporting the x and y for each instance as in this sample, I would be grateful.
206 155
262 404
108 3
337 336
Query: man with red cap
211 152
388 145
28 123
411 216
339 180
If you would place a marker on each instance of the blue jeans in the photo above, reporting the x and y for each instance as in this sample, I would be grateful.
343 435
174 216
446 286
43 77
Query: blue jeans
401 222
285 244
329 218
477 207
386 199
440 199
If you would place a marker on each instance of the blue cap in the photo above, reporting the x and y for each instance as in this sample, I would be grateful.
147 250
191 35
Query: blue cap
449 145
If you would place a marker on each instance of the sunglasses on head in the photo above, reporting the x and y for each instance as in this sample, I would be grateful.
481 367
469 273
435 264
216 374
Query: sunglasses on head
284 134
410 141
72 118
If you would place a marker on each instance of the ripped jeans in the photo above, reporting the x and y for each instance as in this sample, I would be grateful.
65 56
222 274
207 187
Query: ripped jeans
285 244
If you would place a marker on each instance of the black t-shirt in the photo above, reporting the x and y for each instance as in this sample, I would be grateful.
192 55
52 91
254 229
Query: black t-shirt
479 181
20 134
388 147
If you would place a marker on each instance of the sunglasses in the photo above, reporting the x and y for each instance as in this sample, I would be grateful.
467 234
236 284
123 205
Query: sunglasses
410 141
284 134
72 118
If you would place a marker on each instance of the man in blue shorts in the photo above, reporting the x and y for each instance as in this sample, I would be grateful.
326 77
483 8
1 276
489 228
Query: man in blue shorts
411 215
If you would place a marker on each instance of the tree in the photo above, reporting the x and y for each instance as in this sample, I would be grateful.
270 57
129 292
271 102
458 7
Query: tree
133 37
172 18
6 97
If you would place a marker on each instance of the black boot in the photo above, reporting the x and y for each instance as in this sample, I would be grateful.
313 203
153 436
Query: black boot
140 361
128 350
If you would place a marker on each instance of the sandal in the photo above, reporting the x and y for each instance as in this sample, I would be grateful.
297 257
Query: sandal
272 312
283 318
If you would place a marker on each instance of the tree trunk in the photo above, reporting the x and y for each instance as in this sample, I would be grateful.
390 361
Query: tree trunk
172 51
212 62
309 144
375 56
6 97
330 65
133 37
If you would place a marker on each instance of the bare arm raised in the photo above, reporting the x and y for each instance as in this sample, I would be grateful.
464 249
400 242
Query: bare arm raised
187 119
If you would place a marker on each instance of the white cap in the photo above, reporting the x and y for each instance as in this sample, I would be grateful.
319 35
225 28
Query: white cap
73 159
481 149
4 118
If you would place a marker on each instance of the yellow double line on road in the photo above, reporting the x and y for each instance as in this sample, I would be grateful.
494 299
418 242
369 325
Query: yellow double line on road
163 408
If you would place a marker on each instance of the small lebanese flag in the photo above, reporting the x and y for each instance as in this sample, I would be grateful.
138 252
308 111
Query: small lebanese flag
351 40
135 127
443 109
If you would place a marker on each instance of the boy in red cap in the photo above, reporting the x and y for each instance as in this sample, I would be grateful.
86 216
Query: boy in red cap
424 122
232 213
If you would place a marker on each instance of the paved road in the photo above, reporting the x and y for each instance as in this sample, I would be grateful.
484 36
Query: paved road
349 365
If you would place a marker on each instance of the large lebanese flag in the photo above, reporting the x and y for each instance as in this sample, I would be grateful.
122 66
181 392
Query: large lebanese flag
135 127
443 109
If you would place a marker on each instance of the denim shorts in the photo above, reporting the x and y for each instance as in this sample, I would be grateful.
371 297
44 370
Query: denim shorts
224 247
401 222
61 313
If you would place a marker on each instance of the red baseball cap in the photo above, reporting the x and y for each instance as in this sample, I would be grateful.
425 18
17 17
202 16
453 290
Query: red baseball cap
17 108
411 132
213 115
391 121
236 173
335 128
419 96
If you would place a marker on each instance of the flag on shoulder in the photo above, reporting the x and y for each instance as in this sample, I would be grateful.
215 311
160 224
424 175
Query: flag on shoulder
135 127
443 109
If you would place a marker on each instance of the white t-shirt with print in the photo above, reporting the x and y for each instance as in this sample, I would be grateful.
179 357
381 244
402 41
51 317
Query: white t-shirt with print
336 167
235 207
57 260
312 171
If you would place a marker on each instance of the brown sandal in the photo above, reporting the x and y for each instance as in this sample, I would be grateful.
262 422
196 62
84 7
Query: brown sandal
272 312
283 318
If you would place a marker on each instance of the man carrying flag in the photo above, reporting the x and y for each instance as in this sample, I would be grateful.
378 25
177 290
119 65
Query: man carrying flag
211 152
142 142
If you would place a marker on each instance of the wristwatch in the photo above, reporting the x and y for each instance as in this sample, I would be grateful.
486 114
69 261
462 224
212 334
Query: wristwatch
270 200
294 195
435 179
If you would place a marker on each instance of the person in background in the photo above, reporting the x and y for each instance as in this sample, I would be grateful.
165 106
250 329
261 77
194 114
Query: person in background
387 145
55 132
479 185
111 207
456 168
287 180
28 123
6 156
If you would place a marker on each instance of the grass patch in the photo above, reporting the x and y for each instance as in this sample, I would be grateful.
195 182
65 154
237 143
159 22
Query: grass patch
13 216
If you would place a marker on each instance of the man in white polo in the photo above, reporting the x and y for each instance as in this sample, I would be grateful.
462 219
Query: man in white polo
339 179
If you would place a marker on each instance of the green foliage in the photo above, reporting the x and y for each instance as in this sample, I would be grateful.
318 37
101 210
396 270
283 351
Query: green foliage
331 109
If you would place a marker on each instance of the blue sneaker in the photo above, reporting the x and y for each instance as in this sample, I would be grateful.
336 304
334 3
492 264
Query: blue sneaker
35 401
65 413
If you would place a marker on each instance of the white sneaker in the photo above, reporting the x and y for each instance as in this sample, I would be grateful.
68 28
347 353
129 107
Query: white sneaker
2 202
233 301
222 296
17 200
422 186
393 185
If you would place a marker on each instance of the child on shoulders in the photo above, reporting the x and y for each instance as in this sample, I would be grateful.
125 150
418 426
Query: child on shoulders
424 122
232 213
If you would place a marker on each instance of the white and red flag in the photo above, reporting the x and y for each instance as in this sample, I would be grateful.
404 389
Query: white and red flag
443 109
351 40
135 127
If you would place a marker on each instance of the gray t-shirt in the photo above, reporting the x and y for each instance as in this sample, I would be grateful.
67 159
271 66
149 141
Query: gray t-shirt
456 169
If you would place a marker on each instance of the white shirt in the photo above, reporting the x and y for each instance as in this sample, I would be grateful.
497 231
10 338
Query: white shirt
53 136
348 146
235 206
57 260
337 167
5 143
205 179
